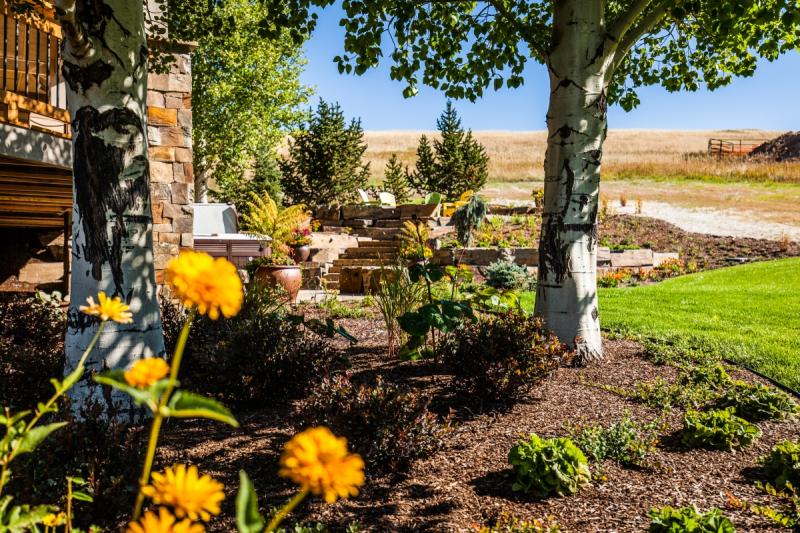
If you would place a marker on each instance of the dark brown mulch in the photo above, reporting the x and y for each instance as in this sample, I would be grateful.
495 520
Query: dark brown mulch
783 148
708 251
467 481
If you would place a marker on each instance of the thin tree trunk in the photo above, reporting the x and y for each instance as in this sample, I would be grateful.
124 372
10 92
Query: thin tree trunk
201 186
105 67
567 286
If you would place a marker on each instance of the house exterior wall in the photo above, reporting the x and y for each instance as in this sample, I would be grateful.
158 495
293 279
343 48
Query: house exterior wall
169 130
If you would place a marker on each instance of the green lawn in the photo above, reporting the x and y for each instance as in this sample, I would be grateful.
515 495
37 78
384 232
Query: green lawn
749 313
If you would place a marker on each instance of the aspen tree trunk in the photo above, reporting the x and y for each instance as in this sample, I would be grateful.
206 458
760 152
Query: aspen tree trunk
105 67
566 294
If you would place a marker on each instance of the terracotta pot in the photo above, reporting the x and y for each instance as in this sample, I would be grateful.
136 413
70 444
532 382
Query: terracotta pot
290 277
300 254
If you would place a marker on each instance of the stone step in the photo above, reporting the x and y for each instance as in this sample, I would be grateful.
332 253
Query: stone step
390 223
380 233
377 244
331 276
373 252
360 262
333 269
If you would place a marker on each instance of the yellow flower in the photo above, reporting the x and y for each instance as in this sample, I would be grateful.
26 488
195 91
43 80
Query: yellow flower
164 522
186 491
53 520
108 309
211 285
145 372
318 461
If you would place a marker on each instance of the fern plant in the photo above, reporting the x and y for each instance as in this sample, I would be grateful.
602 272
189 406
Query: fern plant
265 219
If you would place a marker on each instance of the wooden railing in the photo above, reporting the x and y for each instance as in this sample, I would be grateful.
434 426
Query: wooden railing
720 148
32 92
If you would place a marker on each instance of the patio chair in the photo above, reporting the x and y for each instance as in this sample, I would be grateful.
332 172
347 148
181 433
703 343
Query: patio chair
365 198
387 199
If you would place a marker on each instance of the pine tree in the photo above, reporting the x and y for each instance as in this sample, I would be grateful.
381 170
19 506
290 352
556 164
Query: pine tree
396 180
457 163
325 159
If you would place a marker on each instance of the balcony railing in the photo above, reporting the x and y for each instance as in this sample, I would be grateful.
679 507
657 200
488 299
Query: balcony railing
32 88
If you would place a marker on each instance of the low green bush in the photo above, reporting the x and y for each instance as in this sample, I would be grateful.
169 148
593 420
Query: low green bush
627 441
543 467
717 429
713 377
755 401
507 275
688 520
782 464
499 357
387 424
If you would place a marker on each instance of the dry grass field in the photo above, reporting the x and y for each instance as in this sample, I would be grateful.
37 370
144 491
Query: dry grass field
629 153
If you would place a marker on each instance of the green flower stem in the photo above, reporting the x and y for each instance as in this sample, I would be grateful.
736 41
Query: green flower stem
286 509
40 412
158 418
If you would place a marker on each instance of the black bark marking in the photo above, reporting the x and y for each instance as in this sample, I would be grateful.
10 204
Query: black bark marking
552 250
595 313
100 188
98 14
80 79
79 321
598 54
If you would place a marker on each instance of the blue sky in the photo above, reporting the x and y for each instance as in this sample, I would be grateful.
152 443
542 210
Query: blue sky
768 100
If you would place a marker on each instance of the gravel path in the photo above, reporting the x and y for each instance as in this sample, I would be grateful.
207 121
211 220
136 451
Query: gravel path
721 222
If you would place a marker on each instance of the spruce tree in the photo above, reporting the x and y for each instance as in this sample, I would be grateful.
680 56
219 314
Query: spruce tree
457 163
396 180
325 159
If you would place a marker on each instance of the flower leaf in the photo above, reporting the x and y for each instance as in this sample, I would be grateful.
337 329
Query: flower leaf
31 439
248 519
185 404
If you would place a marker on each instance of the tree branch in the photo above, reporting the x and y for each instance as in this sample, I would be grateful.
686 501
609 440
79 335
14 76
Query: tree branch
500 7
79 44
634 33
626 19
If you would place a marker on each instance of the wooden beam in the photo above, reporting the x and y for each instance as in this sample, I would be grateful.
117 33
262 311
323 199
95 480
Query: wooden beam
35 106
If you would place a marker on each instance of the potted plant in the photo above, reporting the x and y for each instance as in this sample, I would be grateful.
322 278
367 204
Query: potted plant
300 244
265 220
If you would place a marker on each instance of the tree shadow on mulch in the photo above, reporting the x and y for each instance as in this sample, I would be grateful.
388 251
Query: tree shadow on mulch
498 484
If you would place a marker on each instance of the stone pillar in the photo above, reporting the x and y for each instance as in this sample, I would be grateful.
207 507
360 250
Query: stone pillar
169 130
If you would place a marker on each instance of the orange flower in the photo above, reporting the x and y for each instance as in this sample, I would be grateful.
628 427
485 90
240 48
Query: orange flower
188 493
164 522
319 462
108 309
145 372
211 285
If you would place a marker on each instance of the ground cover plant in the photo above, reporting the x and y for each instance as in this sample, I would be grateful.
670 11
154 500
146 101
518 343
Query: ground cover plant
718 429
782 464
689 520
543 467
627 441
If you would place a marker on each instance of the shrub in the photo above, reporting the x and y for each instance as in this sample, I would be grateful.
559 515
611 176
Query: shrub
31 349
713 377
512 524
688 520
468 218
388 425
257 355
717 429
782 464
628 442
395 180
548 466
755 401
506 275
325 159
396 296
457 163
498 358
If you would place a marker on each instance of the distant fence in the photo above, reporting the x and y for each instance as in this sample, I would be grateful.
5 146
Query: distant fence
720 148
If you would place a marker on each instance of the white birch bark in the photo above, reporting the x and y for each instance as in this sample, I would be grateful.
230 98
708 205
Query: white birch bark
105 67
567 286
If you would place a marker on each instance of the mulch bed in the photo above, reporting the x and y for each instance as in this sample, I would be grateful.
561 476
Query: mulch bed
708 251
467 482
